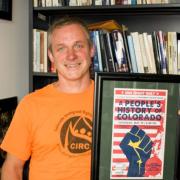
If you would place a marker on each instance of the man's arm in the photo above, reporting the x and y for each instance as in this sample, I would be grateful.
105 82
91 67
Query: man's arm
12 168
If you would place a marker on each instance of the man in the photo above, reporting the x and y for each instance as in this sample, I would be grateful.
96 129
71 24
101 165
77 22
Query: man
53 125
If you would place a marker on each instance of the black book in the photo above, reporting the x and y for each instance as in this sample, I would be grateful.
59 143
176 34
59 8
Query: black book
156 52
113 48
103 52
127 54
108 50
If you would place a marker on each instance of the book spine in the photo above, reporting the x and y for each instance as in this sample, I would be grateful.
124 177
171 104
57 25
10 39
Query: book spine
162 52
103 52
127 54
152 60
132 54
140 66
95 59
98 50
156 52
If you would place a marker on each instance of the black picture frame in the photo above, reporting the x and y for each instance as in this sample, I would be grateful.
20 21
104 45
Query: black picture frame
6 9
7 109
102 143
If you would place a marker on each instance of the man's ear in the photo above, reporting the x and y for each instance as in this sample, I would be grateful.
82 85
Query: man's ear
50 55
92 51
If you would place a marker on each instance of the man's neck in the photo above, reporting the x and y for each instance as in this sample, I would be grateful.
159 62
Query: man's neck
74 86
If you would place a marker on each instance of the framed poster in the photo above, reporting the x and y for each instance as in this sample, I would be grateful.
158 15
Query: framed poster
7 109
6 9
136 127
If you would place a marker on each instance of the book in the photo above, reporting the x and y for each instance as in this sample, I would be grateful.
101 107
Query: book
111 51
156 52
37 51
45 67
48 3
35 4
34 51
41 51
149 53
95 58
113 45
98 50
120 51
169 53
162 52
43 3
127 54
103 52
56 3
178 53
107 45
146 64
152 60
135 37
132 54
174 52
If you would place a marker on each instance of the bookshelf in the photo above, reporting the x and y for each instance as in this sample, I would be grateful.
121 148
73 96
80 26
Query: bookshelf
141 18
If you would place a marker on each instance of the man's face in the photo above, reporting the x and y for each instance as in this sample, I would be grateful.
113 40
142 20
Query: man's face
71 52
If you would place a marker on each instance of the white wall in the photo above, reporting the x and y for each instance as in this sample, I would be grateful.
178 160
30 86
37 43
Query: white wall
14 43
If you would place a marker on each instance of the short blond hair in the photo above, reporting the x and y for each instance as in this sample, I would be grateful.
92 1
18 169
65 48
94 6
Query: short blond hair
67 21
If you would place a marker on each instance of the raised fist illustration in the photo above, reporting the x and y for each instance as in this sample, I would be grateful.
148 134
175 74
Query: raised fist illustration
137 147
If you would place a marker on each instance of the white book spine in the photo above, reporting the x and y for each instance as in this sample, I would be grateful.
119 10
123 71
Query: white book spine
175 63
178 51
169 54
112 2
45 53
55 3
136 43
34 51
35 3
132 54
48 3
43 3
73 3
152 62
98 2
147 49
37 63
143 53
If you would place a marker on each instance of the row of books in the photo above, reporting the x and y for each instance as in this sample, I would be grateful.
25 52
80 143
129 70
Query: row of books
130 2
118 50
41 62
55 3
47 3
135 52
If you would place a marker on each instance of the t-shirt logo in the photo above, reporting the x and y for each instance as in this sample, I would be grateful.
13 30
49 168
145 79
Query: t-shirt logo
76 133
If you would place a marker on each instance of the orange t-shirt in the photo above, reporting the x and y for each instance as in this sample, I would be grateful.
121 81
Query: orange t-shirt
55 129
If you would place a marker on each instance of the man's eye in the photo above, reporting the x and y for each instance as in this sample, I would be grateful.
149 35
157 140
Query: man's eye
61 49
78 46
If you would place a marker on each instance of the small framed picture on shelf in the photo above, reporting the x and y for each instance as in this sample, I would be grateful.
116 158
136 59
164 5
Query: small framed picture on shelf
7 109
6 9
136 127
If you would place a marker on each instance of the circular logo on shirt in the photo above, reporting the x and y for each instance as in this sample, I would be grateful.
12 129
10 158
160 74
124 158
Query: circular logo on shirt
76 133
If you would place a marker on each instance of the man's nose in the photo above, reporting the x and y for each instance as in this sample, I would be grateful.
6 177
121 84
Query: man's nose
71 54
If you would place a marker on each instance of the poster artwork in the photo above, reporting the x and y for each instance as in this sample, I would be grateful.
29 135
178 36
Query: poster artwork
138 133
